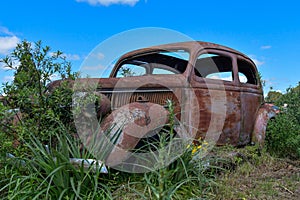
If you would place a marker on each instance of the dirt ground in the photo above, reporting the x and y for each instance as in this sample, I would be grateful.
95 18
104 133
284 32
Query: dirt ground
264 177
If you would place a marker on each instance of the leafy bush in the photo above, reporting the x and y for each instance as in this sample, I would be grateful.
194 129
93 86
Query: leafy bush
34 67
283 133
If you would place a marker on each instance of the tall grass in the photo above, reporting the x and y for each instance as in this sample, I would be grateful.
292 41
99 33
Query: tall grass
49 174
180 172
189 176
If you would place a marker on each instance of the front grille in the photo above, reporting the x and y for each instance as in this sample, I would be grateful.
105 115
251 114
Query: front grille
120 98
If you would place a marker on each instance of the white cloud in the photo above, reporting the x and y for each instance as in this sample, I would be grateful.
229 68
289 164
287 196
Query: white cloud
5 31
54 77
109 2
52 53
93 68
269 82
256 61
68 56
266 47
99 56
8 43
72 56
8 40
95 56
8 79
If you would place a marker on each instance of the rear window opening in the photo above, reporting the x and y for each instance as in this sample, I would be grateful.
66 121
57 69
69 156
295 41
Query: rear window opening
247 73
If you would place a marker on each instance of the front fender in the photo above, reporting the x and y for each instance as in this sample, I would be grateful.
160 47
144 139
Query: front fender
133 121
264 114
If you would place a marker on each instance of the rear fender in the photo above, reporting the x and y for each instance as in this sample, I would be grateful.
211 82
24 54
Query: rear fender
264 114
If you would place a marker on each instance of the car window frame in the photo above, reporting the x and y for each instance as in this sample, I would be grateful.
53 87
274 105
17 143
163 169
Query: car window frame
254 67
228 54
121 60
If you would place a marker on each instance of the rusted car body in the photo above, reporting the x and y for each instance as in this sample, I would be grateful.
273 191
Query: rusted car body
216 92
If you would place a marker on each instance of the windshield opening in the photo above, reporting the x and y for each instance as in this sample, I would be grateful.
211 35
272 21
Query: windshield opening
162 62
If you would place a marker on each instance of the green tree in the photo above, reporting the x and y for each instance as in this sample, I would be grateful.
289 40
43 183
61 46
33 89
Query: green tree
273 96
34 66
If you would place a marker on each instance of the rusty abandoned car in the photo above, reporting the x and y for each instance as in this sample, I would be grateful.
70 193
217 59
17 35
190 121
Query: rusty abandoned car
215 91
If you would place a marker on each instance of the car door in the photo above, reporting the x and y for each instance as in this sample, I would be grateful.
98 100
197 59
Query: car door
251 97
219 100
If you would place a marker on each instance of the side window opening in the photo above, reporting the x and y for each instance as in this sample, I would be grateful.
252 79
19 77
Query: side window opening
247 72
214 66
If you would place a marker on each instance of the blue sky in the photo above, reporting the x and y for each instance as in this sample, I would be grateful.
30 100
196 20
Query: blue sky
267 31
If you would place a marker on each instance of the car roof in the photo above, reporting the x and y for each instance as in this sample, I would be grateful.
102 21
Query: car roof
189 46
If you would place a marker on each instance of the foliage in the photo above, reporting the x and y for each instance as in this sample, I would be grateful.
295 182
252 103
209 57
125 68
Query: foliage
49 174
126 72
261 80
273 96
7 140
283 133
34 67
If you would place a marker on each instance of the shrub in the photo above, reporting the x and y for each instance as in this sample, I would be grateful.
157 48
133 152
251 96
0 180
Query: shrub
283 133
34 67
